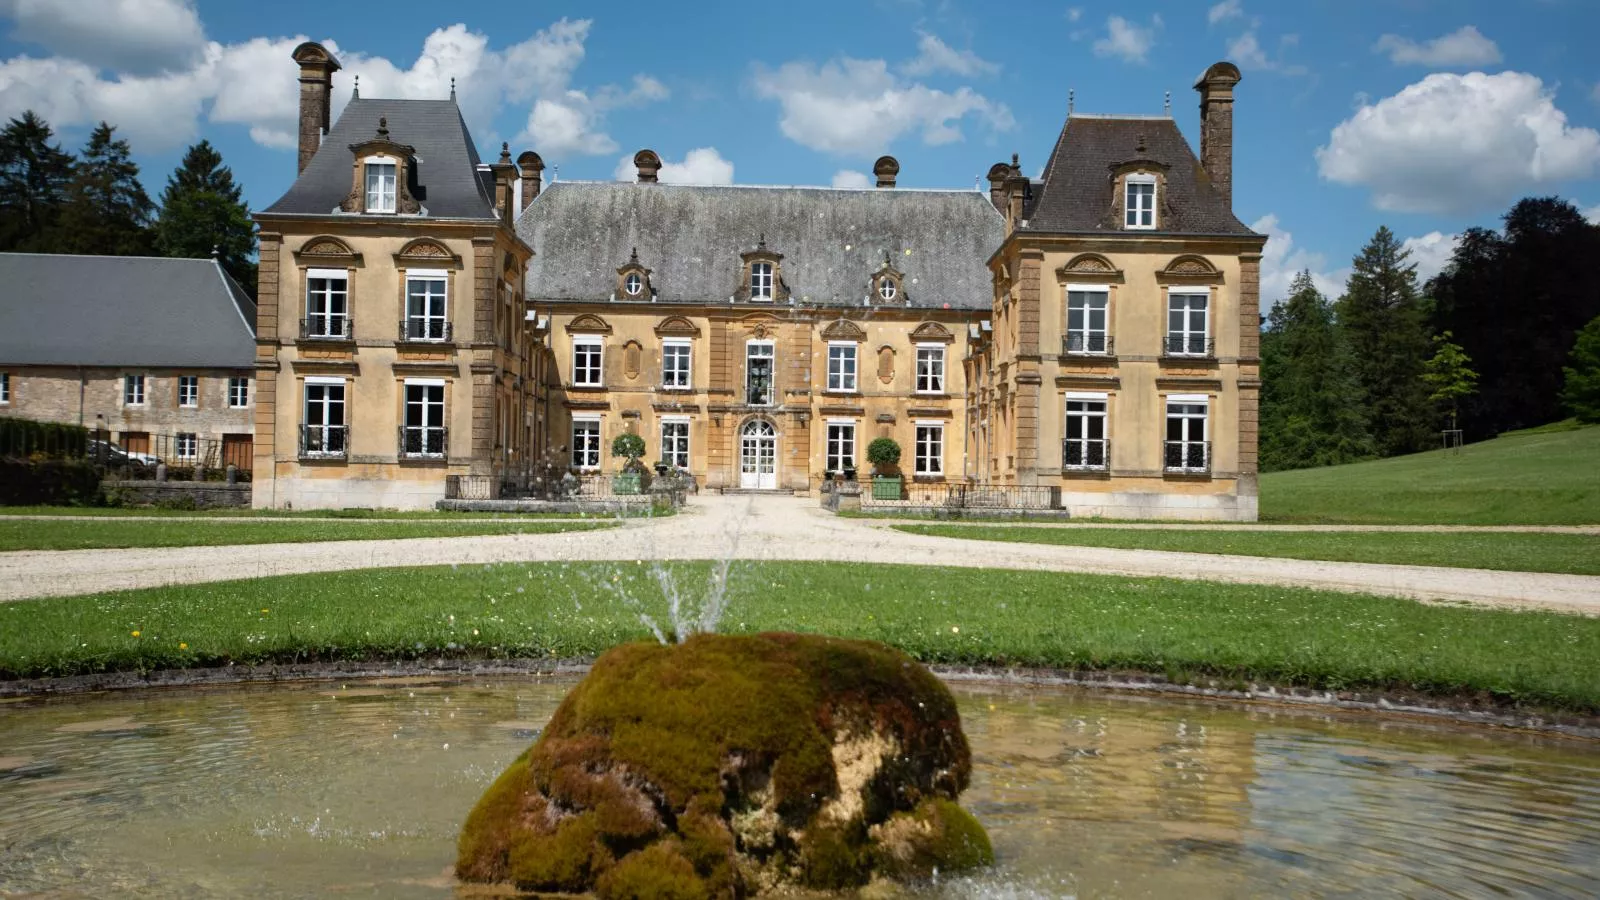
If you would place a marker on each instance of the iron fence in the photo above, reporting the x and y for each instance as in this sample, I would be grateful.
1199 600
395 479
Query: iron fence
423 441
1088 344
327 327
324 441
1091 454
425 330
1187 456
964 496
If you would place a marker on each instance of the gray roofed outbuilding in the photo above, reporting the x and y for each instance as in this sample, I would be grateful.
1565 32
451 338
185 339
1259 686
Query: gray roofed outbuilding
691 237
448 183
123 311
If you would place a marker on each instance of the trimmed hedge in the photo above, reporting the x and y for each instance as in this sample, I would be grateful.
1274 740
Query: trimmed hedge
26 438
49 482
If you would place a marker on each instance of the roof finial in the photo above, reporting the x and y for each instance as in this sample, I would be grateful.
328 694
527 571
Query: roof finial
762 243
355 92
1072 100
216 251
452 88
505 153
1139 144
1167 107
383 127
634 256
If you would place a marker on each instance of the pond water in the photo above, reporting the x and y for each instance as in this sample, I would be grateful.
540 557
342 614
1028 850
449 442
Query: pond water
357 790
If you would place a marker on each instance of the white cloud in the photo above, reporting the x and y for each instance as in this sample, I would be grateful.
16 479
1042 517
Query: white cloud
702 165
1431 252
849 178
138 37
158 111
1074 13
1282 260
1127 40
1227 9
934 55
1459 144
1593 214
567 126
1247 52
858 107
1464 47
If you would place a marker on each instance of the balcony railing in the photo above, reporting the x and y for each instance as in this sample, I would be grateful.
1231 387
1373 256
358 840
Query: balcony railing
1086 454
327 327
423 441
416 330
324 441
1187 456
1196 345
1088 344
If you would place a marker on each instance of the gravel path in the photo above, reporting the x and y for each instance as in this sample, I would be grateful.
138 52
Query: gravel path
768 528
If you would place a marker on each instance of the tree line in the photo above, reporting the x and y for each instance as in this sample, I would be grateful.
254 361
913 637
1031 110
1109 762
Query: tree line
54 202
1507 336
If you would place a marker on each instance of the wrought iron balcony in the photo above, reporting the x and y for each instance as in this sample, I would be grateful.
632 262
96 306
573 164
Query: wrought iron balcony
1196 345
1086 454
423 441
327 327
324 441
414 330
1087 344
1191 457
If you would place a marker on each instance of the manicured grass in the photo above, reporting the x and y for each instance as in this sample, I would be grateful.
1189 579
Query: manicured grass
1184 629
38 534
1575 554
143 512
1546 476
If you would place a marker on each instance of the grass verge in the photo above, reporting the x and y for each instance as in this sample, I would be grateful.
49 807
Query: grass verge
1573 554
147 512
1286 636
44 534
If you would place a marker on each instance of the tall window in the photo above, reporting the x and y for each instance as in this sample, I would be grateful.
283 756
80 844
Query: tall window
327 303
188 390
841 446
841 367
5 387
675 443
758 365
1186 448
324 432
1085 446
1086 319
423 433
586 361
1141 201
1186 323
675 365
425 306
930 368
929 448
380 187
187 446
133 390
238 392
761 281
586 443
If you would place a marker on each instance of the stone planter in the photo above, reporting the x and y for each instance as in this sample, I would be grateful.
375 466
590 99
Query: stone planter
625 483
886 487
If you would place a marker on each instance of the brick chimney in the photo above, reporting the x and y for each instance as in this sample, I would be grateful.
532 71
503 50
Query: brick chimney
886 168
998 173
648 164
317 66
1216 126
531 168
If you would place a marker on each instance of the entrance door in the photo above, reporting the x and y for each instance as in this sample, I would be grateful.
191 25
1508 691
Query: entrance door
237 452
758 456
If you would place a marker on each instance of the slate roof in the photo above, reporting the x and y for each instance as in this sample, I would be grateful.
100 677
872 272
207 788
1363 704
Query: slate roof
448 183
123 311
1074 195
691 237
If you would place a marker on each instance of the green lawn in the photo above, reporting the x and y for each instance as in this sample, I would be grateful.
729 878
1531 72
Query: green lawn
1576 554
1183 629
146 512
44 534
1540 477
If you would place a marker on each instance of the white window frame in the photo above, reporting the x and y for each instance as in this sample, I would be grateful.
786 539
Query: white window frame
327 294
930 368
887 289
586 450
680 378
186 446
426 317
585 373
844 366
928 449
5 388
1139 217
675 447
133 390
839 447
430 447
771 354
1087 333
633 284
1084 440
343 424
1185 461
190 398
1182 342
238 391
762 278
385 201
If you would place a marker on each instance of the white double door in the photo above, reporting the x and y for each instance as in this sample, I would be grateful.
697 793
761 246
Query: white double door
758 455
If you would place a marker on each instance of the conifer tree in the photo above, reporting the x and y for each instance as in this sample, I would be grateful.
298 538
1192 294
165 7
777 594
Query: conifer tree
107 210
1384 323
33 185
1310 409
1448 376
1582 392
201 210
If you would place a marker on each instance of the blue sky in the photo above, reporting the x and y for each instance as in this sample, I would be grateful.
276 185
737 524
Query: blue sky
1425 115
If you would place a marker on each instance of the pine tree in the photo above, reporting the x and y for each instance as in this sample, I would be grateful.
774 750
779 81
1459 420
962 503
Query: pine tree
1582 392
1310 407
107 209
1448 376
33 185
201 212
1384 323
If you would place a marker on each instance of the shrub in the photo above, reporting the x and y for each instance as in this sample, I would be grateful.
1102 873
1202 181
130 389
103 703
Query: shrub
883 453
1582 392
48 482
629 445
25 438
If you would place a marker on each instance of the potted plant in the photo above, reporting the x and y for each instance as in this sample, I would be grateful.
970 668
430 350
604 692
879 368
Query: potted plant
635 475
884 454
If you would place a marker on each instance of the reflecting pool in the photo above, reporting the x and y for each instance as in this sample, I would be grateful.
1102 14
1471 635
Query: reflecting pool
357 790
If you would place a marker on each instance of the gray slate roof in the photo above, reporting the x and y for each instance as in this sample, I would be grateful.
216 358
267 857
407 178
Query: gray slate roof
448 183
123 311
1074 195
691 238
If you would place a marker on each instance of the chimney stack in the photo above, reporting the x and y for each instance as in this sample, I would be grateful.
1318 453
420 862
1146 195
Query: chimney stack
317 66
504 175
648 164
886 168
1216 126
531 167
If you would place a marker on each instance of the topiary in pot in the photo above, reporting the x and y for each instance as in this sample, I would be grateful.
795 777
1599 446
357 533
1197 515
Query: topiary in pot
884 454
635 475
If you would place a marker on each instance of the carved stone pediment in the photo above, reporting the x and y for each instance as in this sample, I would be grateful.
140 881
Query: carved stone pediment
932 331
426 252
843 330
1089 267
588 323
327 250
676 326
1189 269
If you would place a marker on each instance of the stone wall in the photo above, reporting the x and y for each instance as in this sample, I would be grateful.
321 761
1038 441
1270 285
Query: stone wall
77 396
204 494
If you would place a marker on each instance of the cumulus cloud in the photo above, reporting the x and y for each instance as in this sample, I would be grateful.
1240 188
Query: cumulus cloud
1282 260
1074 13
139 37
1459 144
934 55
858 107
702 165
849 178
1227 9
1126 40
1465 46
1431 252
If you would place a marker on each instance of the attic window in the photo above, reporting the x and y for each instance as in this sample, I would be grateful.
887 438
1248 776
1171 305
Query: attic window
887 289
380 175
633 285
761 281
1140 206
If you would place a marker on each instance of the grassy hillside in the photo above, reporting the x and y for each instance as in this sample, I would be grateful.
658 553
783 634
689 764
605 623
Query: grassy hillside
1544 476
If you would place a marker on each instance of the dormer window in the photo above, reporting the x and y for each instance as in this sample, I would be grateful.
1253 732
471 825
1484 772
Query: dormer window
887 289
1140 202
761 281
380 185
383 176
633 285
886 283
633 279
761 277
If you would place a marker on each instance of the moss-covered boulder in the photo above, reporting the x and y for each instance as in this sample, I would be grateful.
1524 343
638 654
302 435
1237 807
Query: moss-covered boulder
729 766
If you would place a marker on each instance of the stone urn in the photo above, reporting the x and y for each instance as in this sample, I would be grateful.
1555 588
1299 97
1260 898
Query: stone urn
732 766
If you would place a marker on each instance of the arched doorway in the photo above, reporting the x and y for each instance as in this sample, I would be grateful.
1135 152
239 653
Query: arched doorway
758 455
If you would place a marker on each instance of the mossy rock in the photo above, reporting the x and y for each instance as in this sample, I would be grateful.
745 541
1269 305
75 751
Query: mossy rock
731 766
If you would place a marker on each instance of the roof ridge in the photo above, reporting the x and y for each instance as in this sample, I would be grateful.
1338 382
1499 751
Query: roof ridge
772 187
1138 117
104 256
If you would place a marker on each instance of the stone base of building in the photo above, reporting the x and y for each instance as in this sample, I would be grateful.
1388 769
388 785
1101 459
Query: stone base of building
345 493
199 494
1151 505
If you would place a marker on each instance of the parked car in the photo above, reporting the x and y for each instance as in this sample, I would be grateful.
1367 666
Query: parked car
118 456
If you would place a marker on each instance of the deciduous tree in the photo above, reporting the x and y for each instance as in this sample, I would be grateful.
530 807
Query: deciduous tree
1449 376
1582 391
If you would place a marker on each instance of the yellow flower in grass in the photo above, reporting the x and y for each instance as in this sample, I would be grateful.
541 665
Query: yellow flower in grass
134 633
182 646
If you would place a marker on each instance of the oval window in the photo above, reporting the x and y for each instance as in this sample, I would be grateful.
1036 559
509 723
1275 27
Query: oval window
886 288
633 284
